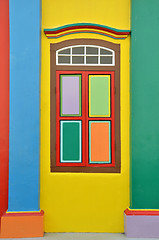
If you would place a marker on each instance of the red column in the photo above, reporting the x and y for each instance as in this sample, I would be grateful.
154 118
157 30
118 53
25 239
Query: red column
4 103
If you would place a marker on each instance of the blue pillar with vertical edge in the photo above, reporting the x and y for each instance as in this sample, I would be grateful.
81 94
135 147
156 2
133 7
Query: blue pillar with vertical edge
25 25
24 217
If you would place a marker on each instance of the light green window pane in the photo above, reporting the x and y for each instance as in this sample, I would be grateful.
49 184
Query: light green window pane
99 95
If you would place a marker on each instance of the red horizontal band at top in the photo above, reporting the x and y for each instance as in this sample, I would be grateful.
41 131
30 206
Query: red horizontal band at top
141 212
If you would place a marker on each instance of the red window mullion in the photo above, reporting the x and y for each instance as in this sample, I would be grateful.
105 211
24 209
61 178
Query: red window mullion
99 118
86 116
57 118
70 118
113 119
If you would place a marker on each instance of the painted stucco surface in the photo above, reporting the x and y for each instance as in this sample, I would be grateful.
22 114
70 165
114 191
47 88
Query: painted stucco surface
144 105
84 202
24 135
4 105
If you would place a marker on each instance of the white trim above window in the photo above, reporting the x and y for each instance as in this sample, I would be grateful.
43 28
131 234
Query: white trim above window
91 55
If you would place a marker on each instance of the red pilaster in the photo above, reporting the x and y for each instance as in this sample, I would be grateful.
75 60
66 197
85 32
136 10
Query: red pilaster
4 103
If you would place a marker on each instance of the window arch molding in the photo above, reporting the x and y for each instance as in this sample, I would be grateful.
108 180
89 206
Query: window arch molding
54 47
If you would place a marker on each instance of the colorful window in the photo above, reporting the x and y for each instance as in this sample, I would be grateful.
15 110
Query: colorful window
85 112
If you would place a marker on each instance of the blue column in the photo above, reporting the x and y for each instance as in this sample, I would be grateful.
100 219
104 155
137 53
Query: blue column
25 28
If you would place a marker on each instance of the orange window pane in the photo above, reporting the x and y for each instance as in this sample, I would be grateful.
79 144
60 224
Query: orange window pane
100 142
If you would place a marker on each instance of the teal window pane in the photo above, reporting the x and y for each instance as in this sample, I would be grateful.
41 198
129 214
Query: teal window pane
70 141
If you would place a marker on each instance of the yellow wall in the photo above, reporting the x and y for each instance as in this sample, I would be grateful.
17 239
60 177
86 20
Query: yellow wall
84 202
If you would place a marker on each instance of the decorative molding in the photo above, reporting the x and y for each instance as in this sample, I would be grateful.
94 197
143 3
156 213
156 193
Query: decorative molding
145 212
86 28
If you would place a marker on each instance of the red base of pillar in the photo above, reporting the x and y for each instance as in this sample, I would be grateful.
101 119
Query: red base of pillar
22 225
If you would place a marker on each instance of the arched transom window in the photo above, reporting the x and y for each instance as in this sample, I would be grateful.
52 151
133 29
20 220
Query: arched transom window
85 55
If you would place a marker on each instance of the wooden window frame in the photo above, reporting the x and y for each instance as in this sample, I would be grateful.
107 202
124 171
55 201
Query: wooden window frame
116 70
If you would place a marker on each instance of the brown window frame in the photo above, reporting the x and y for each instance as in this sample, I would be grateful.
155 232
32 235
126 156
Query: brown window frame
53 68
